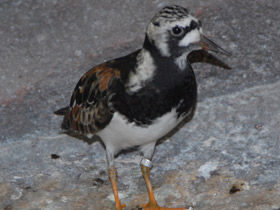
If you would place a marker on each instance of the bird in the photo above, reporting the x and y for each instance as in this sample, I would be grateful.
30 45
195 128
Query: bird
135 100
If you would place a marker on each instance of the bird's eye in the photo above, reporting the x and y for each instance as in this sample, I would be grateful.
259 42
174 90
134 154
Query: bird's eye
177 31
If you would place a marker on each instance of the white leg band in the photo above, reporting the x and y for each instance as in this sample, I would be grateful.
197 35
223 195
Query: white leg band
146 162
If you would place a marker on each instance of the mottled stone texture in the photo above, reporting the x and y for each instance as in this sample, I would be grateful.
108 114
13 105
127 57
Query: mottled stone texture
227 157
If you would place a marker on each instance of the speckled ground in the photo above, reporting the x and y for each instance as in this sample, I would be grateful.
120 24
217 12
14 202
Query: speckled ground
227 157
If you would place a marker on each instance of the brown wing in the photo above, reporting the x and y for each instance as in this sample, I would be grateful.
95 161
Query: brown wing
89 109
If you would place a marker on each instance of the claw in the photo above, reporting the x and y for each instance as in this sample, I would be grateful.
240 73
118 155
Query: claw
156 207
144 205
120 206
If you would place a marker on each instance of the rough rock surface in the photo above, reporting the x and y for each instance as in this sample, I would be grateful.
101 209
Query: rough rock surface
227 157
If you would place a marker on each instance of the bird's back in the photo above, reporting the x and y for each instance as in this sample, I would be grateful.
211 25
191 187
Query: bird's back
90 109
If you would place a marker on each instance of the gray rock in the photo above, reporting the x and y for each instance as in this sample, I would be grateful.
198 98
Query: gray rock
227 157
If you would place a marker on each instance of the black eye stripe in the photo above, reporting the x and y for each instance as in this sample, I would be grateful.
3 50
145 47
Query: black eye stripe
187 29
178 31
193 25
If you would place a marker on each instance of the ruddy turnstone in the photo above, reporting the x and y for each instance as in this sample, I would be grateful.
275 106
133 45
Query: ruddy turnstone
139 98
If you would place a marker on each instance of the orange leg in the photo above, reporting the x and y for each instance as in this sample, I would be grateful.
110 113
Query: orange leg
113 178
152 204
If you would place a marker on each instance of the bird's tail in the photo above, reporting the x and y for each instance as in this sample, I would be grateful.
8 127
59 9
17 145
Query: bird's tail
62 111
65 123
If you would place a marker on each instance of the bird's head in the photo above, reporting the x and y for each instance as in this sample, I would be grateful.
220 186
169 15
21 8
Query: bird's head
174 31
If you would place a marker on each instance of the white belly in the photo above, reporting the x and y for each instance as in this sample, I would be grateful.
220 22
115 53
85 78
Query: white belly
120 134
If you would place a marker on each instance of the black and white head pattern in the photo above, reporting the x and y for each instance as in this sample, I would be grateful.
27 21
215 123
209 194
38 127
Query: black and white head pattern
173 29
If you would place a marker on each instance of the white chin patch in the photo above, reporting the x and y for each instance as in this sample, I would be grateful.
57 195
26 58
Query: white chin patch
191 37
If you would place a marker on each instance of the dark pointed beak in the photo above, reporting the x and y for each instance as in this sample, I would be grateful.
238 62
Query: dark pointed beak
209 45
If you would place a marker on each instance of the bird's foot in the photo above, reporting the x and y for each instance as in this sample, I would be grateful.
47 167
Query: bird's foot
120 206
150 206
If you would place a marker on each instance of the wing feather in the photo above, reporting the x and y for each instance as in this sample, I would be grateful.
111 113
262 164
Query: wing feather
90 109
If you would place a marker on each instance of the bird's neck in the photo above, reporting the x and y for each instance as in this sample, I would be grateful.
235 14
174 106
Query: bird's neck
177 59
159 71
150 46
